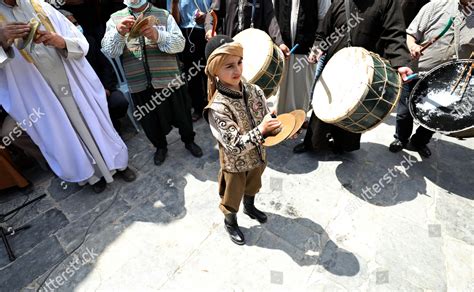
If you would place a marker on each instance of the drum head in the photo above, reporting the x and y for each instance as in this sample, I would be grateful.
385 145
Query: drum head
343 83
258 48
434 107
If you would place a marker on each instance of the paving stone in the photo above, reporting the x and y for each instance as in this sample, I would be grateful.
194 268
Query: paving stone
73 234
59 189
31 265
86 200
40 228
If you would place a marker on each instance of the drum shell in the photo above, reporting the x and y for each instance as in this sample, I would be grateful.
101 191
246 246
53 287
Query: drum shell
269 75
378 100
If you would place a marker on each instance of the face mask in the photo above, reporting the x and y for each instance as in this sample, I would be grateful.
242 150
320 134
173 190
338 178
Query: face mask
134 3
80 28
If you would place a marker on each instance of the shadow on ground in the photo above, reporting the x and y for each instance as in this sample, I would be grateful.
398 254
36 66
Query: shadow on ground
305 241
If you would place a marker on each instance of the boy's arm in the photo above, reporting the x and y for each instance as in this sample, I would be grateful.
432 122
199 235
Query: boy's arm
226 132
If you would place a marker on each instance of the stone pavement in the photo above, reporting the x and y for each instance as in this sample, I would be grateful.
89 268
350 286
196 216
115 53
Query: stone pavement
365 221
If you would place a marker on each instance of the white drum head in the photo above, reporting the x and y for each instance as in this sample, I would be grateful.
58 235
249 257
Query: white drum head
343 83
258 47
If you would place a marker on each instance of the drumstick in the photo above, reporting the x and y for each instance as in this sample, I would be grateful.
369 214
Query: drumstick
214 23
294 48
455 86
443 32
467 80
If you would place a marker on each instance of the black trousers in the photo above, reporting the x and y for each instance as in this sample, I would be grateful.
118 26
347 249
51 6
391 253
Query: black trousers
118 105
318 135
192 56
158 114
404 126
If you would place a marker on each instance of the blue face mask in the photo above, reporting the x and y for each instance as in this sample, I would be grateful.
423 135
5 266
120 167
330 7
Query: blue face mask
134 3
80 28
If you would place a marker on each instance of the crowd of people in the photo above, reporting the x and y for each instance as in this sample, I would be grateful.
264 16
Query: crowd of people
64 74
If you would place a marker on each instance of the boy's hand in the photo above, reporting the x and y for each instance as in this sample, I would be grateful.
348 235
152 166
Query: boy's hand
269 125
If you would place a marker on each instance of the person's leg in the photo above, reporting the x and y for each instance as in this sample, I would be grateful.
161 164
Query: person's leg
404 122
182 119
118 106
192 57
420 140
252 187
231 191
150 121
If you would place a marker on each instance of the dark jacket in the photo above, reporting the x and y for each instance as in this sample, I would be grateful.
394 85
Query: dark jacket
228 14
411 8
380 29
306 27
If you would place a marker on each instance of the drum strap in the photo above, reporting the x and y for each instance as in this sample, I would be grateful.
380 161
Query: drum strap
347 4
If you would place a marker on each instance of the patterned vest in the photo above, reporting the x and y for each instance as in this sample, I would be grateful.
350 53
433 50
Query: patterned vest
141 52
242 115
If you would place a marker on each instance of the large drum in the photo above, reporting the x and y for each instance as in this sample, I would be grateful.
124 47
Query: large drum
356 90
435 105
263 61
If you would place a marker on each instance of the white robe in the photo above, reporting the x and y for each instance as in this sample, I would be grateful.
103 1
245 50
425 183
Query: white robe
23 90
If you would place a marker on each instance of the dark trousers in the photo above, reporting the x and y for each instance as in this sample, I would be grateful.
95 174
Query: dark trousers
192 56
404 126
319 133
158 114
118 106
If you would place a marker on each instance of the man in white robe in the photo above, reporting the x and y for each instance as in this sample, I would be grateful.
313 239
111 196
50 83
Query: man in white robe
51 76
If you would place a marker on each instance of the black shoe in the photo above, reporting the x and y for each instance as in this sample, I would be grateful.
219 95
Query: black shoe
160 156
300 148
396 146
254 213
230 223
424 151
127 175
99 186
194 149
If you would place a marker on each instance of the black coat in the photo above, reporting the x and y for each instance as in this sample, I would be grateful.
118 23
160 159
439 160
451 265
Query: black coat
306 27
228 24
382 30
411 8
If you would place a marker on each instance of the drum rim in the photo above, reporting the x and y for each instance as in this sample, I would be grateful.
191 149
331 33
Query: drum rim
410 99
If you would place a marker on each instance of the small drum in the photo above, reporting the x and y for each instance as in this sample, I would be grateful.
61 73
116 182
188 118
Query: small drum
263 61
356 90
436 106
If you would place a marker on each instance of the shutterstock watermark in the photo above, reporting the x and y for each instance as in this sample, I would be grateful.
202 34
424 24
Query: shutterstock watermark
370 192
175 84
55 283
334 37
21 127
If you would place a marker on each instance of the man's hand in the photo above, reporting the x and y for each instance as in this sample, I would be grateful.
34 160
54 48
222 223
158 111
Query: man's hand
285 50
404 72
50 39
150 32
200 17
313 57
107 93
415 51
11 31
124 26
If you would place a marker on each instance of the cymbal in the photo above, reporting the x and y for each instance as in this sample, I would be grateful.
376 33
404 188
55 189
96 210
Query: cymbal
22 43
287 125
140 23
300 116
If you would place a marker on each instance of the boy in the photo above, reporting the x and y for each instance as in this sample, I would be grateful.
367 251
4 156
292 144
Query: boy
240 120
